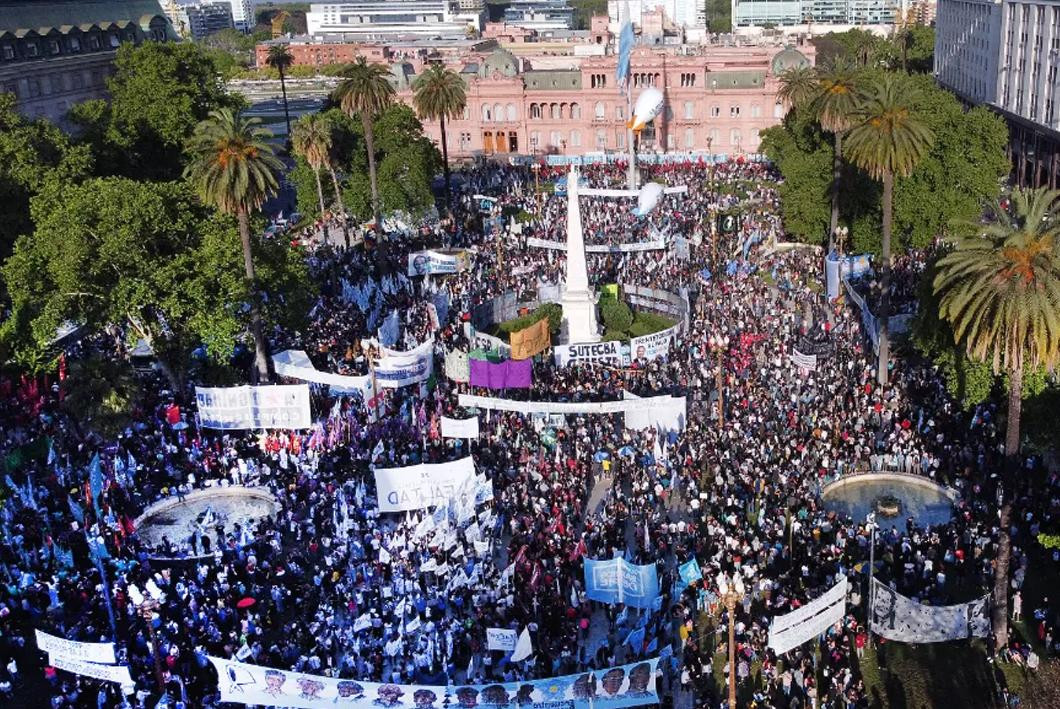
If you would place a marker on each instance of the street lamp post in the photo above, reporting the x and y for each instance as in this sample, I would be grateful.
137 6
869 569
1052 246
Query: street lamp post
870 522
841 235
146 607
731 592
719 344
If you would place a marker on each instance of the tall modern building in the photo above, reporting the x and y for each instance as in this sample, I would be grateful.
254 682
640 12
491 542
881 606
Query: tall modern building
756 13
242 15
56 53
539 14
204 18
1006 54
682 13
382 19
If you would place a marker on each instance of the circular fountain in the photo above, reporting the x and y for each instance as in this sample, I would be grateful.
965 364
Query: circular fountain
201 512
892 497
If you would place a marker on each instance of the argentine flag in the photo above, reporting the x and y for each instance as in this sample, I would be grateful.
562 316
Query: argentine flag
625 46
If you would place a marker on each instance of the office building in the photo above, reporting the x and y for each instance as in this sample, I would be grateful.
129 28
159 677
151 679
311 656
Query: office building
204 18
382 19
680 13
1006 54
539 14
818 13
56 53
242 15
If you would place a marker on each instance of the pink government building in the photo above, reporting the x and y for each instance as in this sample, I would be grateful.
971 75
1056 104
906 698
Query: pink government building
718 100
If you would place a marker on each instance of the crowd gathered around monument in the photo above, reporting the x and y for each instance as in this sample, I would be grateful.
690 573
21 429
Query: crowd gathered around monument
327 585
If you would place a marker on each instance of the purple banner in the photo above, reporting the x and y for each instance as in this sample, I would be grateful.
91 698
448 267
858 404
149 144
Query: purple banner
512 374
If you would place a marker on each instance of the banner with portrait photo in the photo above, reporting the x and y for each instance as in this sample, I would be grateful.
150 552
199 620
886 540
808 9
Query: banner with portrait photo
416 487
400 369
792 629
651 346
619 581
427 263
896 617
529 341
254 407
627 685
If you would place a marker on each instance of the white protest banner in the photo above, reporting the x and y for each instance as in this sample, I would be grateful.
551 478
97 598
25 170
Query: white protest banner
896 617
416 487
665 413
460 428
802 624
399 369
296 365
654 345
803 361
247 684
74 650
501 639
564 407
457 366
656 245
119 674
425 263
610 351
254 407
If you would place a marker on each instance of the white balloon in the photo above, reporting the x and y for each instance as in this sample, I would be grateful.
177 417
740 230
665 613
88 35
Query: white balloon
648 199
649 105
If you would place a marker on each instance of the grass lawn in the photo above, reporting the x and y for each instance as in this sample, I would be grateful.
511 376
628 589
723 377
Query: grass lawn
953 674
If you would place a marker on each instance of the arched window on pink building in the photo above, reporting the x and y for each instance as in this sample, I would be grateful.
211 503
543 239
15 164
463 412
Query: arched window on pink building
575 111
600 111
498 112
487 114
512 113
535 110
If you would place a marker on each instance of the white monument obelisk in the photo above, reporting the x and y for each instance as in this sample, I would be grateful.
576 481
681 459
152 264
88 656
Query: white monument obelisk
578 301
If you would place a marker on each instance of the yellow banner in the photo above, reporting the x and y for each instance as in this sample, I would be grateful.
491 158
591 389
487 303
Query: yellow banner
529 341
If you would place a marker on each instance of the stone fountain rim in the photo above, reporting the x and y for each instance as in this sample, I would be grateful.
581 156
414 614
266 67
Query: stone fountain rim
889 476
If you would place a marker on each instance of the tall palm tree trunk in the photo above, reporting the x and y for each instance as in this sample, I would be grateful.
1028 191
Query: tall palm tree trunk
1004 542
342 207
320 198
837 163
286 113
445 165
369 144
885 279
261 363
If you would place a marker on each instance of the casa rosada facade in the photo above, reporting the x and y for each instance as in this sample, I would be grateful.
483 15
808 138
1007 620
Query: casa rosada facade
718 100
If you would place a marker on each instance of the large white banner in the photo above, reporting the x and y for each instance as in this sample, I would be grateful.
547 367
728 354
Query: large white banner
563 407
665 413
618 687
610 351
75 651
460 428
501 639
802 624
399 369
654 345
297 365
803 361
254 407
657 245
119 674
425 263
425 485
896 617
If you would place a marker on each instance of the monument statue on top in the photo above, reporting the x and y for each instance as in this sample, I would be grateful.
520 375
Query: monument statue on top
578 300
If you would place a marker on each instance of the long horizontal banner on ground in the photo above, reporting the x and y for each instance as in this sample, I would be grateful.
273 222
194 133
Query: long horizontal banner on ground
426 263
296 365
254 407
416 487
75 651
399 369
610 351
802 624
599 248
619 581
566 407
896 617
615 687
119 674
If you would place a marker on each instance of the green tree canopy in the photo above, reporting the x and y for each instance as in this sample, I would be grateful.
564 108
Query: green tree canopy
158 94
147 257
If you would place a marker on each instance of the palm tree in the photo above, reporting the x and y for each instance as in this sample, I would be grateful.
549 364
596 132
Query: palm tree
312 140
887 142
281 59
330 165
1000 291
439 94
798 86
233 167
366 92
836 104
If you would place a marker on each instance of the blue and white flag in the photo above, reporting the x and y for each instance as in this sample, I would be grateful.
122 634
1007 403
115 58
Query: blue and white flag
690 572
619 581
95 481
625 46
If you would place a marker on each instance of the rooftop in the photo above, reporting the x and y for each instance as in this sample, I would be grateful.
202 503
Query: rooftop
42 16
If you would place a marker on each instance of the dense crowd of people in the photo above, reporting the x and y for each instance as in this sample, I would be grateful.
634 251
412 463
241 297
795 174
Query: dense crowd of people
340 589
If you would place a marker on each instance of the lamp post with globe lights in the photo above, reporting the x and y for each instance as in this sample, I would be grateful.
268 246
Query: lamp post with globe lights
731 592
719 343
146 606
